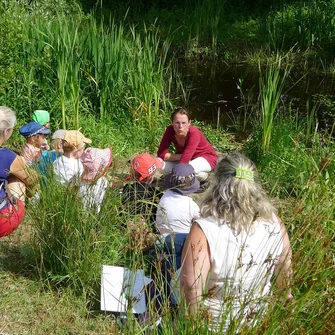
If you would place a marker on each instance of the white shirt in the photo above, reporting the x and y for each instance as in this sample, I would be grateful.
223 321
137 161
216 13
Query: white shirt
93 193
70 170
241 268
175 213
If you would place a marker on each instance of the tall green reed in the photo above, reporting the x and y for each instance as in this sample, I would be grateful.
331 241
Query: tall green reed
111 70
291 164
69 46
271 85
203 21
305 26
147 66
107 60
311 125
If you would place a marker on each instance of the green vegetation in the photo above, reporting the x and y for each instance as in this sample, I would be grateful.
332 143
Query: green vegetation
236 31
113 73
271 86
98 68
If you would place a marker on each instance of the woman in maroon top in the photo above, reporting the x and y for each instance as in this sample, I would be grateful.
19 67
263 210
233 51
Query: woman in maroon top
191 146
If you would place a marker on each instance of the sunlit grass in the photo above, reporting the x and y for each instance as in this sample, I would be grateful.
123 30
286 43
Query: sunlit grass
107 77
108 68
271 84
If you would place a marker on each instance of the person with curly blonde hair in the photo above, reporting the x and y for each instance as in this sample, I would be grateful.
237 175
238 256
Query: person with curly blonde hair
235 250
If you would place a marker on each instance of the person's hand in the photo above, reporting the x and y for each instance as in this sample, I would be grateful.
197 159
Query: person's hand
45 146
290 303
289 299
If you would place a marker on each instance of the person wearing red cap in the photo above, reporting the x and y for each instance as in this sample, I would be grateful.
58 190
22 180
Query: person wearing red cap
140 197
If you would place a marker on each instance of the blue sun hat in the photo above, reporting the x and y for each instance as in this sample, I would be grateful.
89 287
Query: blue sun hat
182 179
33 128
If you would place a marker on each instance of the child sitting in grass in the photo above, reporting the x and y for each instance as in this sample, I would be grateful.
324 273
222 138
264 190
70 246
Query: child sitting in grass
96 162
83 169
177 209
42 117
45 163
141 197
34 134
69 168
56 144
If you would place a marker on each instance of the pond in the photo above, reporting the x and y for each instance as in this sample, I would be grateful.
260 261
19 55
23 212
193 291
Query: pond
219 93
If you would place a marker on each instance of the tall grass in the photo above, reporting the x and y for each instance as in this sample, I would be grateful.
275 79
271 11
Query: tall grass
204 21
271 84
70 242
85 64
306 25
108 65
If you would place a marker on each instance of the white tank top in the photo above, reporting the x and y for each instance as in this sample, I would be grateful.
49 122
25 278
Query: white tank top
241 269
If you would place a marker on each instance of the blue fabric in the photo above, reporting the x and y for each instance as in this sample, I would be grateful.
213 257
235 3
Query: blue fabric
171 252
33 128
173 245
45 164
6 159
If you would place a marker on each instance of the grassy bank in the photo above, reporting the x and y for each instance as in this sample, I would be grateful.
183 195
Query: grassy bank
51 265
116 81
54 260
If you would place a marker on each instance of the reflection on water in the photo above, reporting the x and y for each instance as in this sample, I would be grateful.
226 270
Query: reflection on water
214 86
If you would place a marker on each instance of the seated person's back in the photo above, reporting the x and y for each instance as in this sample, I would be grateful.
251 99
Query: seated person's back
141 197
176 209
68 168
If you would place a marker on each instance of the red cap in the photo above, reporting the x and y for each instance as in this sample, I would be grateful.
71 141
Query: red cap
145 165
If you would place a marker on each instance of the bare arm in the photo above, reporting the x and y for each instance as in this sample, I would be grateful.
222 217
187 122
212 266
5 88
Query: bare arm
172 157
195 267
20 169
283 269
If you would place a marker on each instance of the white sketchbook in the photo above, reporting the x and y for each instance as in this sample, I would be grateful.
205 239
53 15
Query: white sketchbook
119 286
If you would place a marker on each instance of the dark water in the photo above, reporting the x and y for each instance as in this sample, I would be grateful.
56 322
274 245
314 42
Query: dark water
215 97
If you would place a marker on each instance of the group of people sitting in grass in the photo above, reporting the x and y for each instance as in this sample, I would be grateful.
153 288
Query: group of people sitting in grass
234 246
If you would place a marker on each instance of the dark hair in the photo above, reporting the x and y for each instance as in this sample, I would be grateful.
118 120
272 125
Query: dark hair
182 111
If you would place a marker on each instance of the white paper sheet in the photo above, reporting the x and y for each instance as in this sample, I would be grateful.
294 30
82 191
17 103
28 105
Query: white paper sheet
118 285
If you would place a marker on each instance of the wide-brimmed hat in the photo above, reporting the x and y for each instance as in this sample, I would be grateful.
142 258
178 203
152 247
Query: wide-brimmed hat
96 162
182 179
75 138
41 116
33 128
144 165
